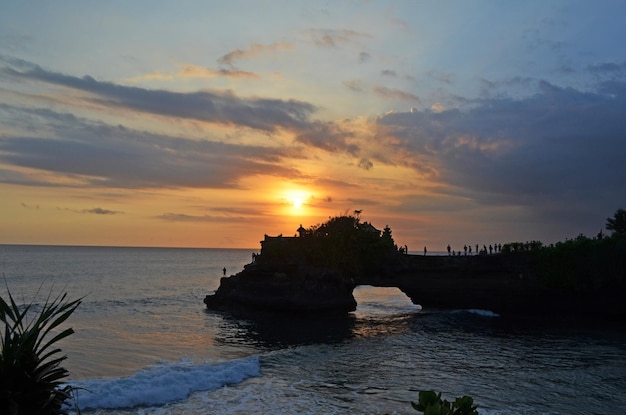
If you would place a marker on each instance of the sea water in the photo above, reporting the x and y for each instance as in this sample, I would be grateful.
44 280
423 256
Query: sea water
144 343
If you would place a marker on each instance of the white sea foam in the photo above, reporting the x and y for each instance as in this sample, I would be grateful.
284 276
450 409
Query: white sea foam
484 313
163 383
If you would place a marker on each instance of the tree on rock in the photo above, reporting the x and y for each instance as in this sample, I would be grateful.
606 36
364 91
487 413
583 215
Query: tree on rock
346 244
617 224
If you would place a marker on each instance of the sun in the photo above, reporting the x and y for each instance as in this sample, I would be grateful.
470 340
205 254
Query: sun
297 199
297 202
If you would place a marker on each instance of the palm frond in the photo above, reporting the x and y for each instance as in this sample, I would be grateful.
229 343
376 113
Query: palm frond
30 367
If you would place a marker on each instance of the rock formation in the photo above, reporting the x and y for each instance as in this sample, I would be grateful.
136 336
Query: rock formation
318 271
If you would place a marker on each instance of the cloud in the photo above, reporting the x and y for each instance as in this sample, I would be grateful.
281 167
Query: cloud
365 164
364 57
254 50
182 217
329 137
96 154
355 85
381 91
609 69
216 107
332 38
88 153
94 211
389 72
391 93
100 211
194 71
325 182
559 152
27 206
443 77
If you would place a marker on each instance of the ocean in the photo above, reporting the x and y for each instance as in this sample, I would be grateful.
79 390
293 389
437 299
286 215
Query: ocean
144 343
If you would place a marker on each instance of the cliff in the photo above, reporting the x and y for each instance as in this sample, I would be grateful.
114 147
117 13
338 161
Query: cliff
317 274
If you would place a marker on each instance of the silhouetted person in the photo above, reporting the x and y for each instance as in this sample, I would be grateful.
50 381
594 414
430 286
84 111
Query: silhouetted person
477 248
490 249
470 249
448 250
224 270
424 251
465 249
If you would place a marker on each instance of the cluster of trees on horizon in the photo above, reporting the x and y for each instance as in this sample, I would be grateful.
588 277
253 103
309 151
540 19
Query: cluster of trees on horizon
583 263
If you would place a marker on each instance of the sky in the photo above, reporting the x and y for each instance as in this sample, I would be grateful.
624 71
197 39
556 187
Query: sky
211 124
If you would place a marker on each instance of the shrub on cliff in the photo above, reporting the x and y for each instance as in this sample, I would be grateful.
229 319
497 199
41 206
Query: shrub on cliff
348 245
30 366
584 264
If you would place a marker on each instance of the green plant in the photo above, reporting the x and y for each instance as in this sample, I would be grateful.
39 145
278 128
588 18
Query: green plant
430 403
30 366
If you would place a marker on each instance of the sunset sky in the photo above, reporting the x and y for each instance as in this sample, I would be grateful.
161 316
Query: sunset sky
210 124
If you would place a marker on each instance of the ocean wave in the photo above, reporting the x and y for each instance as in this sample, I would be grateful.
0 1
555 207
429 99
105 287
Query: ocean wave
483 313
162 383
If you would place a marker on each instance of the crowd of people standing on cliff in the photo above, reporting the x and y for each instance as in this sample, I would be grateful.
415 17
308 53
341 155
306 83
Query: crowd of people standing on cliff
467 250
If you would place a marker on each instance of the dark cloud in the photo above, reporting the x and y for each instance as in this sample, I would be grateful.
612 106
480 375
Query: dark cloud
365 164
389 72
100 211
329 137
267 115
364 57
94 211
560 152
217 107
115 156
609 69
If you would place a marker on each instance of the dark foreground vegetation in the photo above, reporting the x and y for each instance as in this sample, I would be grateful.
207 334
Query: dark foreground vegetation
31 375
431 403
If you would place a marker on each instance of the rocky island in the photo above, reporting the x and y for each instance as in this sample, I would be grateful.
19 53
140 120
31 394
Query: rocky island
317 271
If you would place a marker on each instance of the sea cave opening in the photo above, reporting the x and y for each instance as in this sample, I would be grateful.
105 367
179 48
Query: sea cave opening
375 301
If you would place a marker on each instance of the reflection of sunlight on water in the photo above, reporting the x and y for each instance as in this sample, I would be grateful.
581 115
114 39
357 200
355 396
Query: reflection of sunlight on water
382 302
382 311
